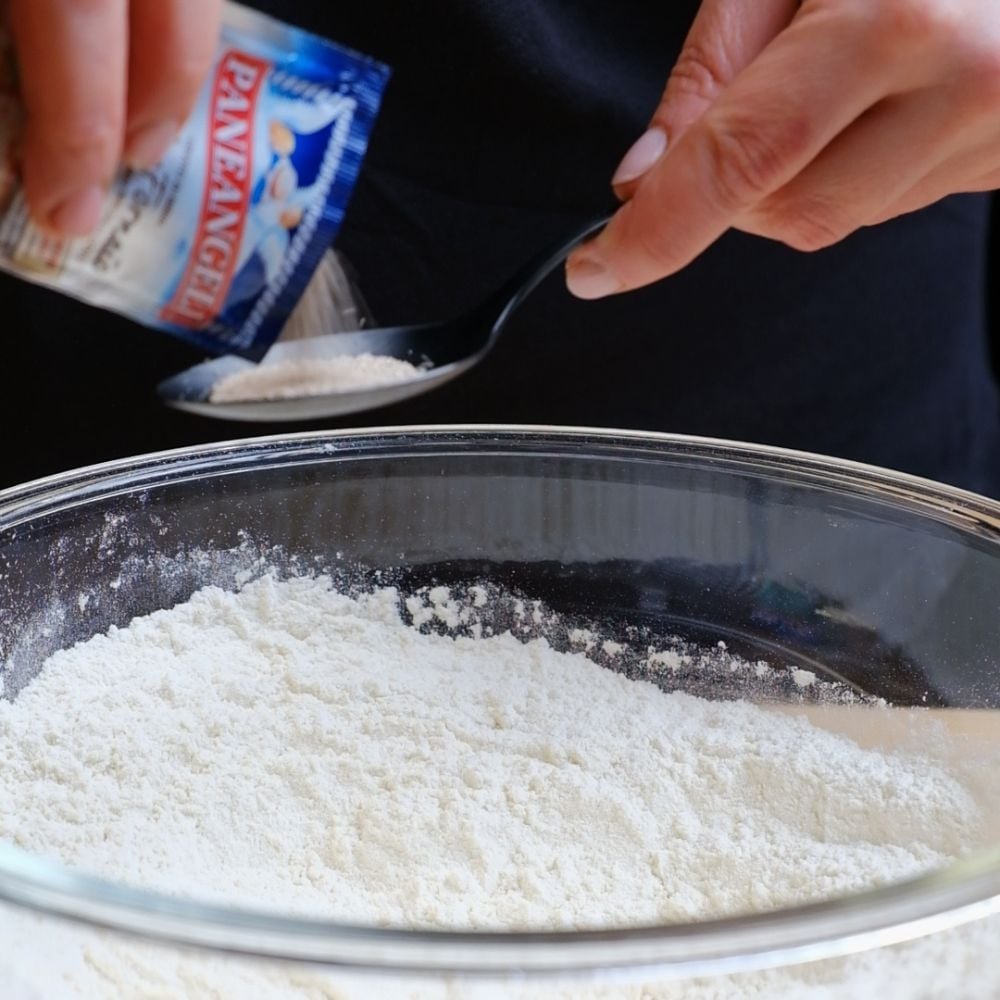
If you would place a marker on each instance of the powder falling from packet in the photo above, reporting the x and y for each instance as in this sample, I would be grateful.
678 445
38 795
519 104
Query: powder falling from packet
332 304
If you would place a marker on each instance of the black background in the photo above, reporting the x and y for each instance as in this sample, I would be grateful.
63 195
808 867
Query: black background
79 392
995 285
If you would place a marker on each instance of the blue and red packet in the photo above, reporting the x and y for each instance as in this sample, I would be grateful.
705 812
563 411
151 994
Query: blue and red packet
218 243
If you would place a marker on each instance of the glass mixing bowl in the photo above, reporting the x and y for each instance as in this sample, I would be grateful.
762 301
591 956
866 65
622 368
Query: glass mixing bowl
887 585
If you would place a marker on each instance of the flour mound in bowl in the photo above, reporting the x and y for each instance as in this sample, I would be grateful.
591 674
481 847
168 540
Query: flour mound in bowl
294 748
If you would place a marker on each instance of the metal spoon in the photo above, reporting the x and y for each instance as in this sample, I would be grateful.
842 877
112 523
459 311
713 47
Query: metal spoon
442 350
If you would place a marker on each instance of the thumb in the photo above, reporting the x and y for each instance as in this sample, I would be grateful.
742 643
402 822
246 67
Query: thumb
727 35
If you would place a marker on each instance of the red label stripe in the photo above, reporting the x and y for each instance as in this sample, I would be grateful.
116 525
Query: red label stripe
215 252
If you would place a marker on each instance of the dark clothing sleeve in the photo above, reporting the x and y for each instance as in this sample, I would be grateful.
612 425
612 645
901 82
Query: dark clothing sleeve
503 124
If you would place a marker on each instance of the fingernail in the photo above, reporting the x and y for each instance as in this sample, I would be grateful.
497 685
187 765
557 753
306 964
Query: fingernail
648 148
80 213
147 146
588 278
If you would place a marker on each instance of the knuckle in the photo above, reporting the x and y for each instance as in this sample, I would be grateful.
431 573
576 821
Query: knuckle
807 223
917 22
655 246
641 246
746 160
698 72
83 138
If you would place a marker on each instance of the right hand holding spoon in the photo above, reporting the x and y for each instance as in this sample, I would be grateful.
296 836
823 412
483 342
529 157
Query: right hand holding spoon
804 122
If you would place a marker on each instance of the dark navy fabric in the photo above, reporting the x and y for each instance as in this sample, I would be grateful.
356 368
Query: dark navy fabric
502 126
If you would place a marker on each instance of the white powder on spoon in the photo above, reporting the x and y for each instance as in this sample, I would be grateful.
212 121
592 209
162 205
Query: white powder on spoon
312 377
292 748
331 304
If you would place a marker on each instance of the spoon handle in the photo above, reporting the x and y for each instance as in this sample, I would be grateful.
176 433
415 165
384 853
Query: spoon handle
497 309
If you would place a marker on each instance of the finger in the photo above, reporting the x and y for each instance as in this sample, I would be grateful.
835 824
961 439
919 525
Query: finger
72 59
932 189
173 45
727 35
988 182
753 141
871 165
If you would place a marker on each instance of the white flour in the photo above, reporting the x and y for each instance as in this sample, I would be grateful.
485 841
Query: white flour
292 748
312 377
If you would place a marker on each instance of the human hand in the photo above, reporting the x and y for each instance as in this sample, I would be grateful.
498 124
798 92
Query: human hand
104 83
803 122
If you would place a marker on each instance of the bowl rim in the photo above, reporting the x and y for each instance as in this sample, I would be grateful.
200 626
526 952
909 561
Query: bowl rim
963 892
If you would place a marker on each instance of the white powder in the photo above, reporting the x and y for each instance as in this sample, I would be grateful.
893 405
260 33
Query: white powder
331 304
312 377
293 748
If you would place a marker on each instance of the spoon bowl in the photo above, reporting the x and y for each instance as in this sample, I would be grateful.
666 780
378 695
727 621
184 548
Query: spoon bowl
440 351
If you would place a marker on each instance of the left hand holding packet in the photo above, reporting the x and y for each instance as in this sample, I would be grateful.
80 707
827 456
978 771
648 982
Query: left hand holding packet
242 142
